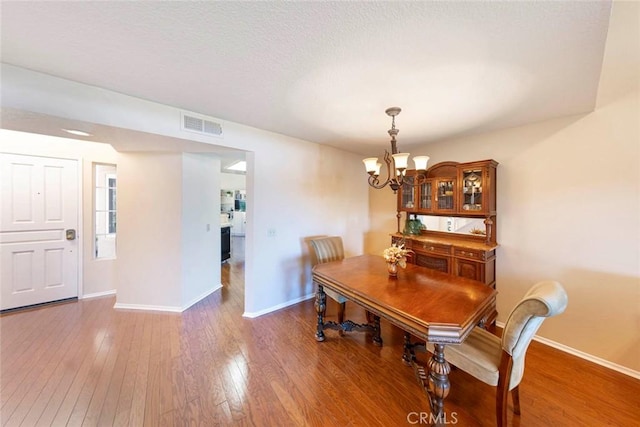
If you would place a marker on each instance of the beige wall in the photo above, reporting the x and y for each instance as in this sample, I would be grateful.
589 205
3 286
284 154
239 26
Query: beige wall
297 190
200 227
98 275
149 267
169 238
569 206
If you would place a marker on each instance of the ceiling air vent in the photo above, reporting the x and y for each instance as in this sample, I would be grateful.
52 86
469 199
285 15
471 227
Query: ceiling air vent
200 124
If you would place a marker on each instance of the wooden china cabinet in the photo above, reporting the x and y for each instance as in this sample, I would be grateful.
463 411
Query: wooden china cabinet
450 220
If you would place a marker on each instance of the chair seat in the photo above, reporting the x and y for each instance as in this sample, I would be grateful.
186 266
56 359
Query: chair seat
479 355
336 296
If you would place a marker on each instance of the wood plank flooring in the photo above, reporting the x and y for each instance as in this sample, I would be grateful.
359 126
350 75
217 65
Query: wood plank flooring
86 364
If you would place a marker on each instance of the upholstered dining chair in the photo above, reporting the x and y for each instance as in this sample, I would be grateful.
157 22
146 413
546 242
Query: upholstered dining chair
500 361
329 249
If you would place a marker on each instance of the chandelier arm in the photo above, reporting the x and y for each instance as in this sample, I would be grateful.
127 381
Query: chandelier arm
418 179
391 169
392 181
375 182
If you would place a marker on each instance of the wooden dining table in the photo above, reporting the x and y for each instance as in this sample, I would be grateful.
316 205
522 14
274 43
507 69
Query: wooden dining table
426 304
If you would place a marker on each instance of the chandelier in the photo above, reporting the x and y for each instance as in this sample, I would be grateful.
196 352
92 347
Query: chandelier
396 162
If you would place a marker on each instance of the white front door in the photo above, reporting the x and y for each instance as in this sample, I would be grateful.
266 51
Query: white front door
38 220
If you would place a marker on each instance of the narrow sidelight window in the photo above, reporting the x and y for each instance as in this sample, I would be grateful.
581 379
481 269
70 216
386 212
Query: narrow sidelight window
105 211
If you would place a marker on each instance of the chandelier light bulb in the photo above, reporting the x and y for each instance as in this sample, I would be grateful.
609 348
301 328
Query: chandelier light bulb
421 162
401 160
370 164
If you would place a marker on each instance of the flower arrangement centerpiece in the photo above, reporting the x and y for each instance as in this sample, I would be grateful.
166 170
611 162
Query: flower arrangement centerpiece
395 255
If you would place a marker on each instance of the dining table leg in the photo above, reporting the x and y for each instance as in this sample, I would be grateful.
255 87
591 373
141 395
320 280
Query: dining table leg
408 355
321 305
377 339
439 385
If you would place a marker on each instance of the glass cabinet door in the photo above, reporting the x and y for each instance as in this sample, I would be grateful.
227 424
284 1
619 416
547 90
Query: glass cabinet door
445 196
472 190
407 195
426 196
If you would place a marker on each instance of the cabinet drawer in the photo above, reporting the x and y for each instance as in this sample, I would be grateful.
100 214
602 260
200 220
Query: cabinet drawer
431 248
469 253
469 269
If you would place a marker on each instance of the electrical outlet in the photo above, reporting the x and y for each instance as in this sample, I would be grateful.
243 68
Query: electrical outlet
208 227
271 232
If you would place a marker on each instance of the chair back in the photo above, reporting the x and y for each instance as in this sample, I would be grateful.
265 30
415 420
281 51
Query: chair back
327 249
544 299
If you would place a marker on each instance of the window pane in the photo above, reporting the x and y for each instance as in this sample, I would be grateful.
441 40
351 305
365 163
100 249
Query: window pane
112 199
112 222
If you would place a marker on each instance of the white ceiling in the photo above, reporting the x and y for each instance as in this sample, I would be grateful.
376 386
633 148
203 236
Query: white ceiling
326 71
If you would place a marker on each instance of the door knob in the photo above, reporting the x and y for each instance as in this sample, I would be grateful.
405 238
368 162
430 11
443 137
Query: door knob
71 234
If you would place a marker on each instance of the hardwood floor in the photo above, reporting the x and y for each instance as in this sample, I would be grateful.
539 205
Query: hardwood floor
84 363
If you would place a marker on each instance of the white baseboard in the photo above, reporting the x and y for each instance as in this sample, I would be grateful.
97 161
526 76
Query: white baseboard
171 309
98 294
201 297
279 306
583 355
142 307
